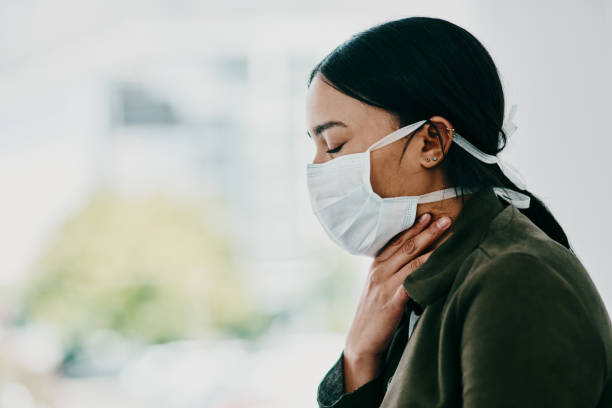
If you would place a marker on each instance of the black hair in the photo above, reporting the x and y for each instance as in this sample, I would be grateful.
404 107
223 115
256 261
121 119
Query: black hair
418 67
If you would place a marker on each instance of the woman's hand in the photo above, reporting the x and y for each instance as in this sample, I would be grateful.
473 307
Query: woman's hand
382 300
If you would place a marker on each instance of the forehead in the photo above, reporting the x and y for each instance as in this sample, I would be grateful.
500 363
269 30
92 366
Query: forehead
324 102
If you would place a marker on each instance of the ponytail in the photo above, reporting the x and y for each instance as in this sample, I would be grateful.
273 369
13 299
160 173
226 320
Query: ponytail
541 216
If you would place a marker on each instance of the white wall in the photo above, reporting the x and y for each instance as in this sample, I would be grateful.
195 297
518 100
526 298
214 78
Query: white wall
555 61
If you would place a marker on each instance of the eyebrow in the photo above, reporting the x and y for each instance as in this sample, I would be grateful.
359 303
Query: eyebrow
324 126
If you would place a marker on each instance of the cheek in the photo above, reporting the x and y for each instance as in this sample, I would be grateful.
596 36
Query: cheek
384 174
390 176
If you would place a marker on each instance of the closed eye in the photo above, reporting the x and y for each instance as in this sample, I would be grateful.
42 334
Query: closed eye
336 149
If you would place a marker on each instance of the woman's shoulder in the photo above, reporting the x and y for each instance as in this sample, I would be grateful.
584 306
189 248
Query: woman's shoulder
516 311
518 269
516 254
514 246
511 233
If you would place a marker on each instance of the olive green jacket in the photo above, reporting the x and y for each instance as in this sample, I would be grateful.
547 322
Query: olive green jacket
510 318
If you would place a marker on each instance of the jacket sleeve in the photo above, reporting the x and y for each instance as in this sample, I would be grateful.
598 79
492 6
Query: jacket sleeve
526 339
331 392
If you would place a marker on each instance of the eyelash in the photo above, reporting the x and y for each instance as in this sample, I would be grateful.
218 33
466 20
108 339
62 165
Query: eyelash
336 149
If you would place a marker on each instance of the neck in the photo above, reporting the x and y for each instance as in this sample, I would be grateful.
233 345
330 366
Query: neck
451 207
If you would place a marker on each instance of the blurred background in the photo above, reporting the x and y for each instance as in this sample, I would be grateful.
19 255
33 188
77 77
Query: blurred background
158 246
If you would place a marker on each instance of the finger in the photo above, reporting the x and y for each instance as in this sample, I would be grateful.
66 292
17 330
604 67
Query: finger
397 241
413 246
410 267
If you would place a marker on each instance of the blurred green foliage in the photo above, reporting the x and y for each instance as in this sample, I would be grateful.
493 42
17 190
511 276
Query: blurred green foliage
335 294
151 269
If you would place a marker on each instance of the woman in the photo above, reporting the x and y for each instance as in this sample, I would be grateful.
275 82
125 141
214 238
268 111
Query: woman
507 315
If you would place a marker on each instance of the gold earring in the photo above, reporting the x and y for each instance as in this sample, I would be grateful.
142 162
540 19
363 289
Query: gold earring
451 129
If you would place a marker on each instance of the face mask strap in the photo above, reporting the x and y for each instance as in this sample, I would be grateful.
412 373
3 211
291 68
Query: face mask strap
519 200
440 195
509 171
396 135
509 127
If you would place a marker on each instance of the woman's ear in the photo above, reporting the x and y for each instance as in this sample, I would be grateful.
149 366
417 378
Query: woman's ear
437 136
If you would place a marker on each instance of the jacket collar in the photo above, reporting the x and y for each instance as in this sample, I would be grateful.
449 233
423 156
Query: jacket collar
434 278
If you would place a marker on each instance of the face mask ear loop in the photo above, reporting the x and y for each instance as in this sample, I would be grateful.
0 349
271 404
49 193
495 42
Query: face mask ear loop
396 135
509 171
519 200
509 127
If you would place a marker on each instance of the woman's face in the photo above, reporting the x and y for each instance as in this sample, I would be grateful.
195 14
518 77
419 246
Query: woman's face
339 124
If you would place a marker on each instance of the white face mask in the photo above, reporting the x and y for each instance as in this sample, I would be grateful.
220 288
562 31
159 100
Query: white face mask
358 219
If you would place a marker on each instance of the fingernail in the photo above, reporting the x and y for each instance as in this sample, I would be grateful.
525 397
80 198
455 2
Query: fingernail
443 222
423 218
